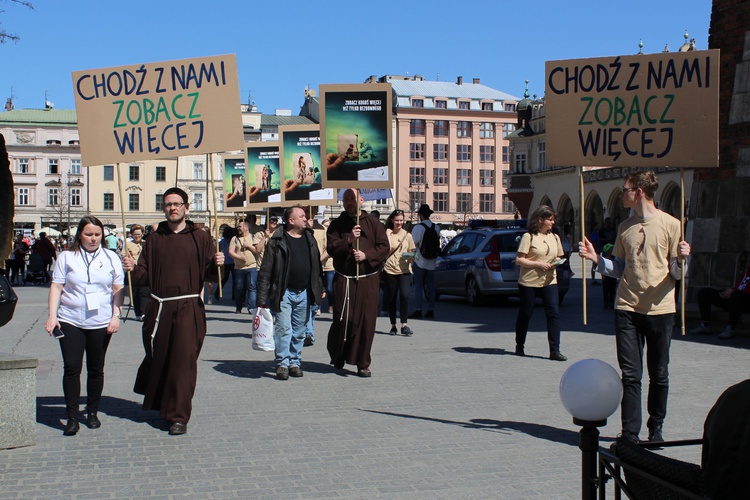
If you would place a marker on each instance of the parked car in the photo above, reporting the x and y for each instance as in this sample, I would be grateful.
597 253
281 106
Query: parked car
481 262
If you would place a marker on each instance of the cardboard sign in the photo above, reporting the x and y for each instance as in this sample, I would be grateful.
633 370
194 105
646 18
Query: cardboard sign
356 135
158 110
301 168
657 110
264 175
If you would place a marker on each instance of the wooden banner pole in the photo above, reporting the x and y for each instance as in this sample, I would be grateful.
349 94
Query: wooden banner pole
216 217
359 210
682 238
583 236
124 239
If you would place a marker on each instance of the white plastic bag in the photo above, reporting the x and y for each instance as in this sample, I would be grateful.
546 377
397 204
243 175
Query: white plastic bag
263 330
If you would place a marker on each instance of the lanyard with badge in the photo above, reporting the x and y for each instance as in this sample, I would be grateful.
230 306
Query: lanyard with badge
92 297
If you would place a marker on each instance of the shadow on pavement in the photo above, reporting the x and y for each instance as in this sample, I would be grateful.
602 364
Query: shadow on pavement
50 411
538 431
258 369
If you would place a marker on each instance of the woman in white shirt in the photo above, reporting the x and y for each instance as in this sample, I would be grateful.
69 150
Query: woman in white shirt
85 303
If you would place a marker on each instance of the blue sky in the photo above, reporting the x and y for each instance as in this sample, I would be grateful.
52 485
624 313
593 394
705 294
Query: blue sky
284 45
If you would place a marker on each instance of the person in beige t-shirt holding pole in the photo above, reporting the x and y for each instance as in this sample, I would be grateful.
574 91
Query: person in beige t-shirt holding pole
244 254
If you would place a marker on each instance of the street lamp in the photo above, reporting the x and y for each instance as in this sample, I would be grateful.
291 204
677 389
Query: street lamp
591 391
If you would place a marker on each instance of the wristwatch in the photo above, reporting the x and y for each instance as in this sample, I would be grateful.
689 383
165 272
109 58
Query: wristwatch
116 315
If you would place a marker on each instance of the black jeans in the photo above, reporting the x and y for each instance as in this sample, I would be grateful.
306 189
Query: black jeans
551 300
397 287
75 342
736 304
633 330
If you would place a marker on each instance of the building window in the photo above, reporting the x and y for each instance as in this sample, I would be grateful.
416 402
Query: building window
134 202
109 172
416 198
486 177
416 176
463 202
416 127
521 163
542 163
463 177
23 196
487 154
75 167
487 130
75 197
161 174
508 206
197 170
464 104
463 152
53 198
440 202
416 151
52 166
440 129
134 173
487 106
159 202
109 201
506 154
510 107
463 129
441 104
440 152
487 203
505 178
220 198
440 176
508 128
197 201
417 103
23 166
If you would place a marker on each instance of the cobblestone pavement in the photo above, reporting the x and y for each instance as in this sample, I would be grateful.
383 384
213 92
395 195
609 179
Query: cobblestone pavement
448 413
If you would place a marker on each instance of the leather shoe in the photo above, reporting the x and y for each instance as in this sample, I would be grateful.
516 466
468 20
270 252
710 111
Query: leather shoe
295 371
92 421
416 314
520 351
557 356
282 373
429 314
177 429
71 428
364 372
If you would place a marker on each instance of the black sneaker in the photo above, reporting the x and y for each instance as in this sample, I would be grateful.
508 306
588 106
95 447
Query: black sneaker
520 351
406 331
429 314
630 437
394 330
416 314
308 342
557 356
654 435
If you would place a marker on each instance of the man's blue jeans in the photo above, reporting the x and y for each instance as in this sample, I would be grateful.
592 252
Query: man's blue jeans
245 293
289 333
328 300
632 331
422 278
310 327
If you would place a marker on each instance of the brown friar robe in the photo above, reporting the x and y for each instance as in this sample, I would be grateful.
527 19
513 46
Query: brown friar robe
173 264
350 337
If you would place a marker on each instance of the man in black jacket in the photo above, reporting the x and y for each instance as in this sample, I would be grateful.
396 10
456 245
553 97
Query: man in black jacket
290 281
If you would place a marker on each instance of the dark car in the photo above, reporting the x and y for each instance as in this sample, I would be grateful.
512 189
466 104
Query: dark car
481 262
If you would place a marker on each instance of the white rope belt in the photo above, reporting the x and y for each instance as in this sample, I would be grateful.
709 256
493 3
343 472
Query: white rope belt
345 309
161 303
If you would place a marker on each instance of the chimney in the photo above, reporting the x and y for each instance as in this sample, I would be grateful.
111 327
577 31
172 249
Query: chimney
476 81
9 104
460 80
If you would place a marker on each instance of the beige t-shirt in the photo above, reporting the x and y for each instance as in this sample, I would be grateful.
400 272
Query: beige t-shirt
647 246
542 248
260 237
248 262
322 239
395 264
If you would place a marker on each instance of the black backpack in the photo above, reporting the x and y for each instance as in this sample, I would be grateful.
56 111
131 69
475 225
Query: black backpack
429 247
8 299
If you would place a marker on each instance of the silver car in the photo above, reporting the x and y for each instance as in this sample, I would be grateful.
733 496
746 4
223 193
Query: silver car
481 262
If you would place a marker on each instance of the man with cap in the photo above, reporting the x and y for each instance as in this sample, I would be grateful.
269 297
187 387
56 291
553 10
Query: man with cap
423 267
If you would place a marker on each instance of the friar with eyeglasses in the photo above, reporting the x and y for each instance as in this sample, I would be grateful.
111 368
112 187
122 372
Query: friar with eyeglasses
173 263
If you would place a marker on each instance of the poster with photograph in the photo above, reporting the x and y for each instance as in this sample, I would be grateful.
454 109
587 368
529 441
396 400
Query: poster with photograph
301 168
356 135
158 110
235 183
264 175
